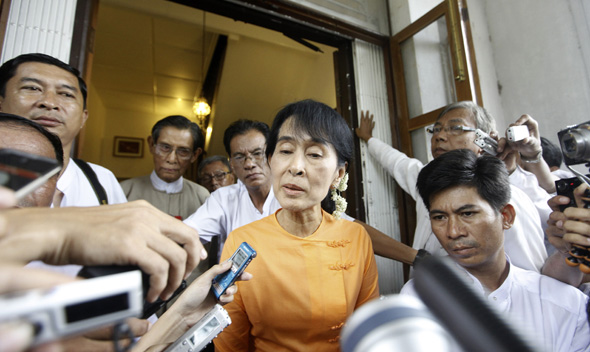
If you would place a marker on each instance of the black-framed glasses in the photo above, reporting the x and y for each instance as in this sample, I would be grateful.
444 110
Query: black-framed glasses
257 156
163 149
218 176
455 130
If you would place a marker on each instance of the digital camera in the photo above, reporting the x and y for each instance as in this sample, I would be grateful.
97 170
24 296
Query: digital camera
575 143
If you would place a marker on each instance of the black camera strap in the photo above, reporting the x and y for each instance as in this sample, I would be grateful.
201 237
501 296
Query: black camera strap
101 194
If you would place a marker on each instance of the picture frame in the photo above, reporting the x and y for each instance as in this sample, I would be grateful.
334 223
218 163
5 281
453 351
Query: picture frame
128 147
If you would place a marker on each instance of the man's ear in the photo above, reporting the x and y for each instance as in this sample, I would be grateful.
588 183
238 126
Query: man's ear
508 216
151 144
196 155
84 118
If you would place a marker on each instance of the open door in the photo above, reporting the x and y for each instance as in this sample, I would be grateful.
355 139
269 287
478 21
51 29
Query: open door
433 64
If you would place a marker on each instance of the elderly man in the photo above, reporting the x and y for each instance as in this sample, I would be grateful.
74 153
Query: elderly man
215 172
455 129
44 89
175 143
27 136
469 205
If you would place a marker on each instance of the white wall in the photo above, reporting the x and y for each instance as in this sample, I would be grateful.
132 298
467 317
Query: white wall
539 60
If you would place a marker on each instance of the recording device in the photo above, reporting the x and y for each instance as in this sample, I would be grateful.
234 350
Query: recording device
394 323
149 308
485 142
24 172
201 334
575 147
465 314
75 307
517 133
240 260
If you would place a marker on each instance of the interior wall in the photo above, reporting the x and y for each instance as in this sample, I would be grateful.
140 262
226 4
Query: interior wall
259 78
539 60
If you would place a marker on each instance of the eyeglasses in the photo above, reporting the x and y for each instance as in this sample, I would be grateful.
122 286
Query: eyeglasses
163 149
455 130
257 156
219 176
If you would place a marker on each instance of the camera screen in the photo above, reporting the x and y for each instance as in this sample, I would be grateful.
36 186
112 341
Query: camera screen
97 307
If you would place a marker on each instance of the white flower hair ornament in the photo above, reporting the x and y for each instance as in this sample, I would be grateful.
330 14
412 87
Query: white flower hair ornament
341 203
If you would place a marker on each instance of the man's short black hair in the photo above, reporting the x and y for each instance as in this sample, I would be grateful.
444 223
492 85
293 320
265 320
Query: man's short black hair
319 121
181 123
551 153
8 70
241 127
462 167
17 122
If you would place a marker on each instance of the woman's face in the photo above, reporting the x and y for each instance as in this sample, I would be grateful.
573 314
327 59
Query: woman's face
302 170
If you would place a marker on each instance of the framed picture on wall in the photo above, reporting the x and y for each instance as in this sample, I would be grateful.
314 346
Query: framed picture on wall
128 147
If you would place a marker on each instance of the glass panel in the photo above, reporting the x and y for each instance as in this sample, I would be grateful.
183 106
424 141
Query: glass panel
421 144
428 69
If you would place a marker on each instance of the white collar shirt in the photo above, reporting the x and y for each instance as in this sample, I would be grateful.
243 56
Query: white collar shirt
227 209
163 186
551 315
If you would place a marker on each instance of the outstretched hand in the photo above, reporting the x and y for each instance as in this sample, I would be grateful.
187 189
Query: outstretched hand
365 129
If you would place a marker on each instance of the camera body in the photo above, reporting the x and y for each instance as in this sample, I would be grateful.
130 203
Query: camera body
75 307
575 143
485 142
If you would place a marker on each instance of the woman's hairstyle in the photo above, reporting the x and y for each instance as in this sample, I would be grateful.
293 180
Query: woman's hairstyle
319 121
462 167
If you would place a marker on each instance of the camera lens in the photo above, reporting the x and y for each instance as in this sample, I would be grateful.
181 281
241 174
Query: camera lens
576 144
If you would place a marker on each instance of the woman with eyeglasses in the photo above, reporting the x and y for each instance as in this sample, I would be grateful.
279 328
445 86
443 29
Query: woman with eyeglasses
313 269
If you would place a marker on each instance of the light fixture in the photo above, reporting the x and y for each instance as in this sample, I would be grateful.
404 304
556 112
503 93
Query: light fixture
201 108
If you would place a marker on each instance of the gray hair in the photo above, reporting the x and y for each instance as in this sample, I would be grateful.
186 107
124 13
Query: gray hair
213 159
483 119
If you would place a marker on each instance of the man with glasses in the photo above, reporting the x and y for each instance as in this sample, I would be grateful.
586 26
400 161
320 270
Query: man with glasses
250 199
455 129
175 143
215 172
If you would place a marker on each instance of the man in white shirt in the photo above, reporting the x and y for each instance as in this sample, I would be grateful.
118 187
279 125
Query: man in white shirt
248 200
44 89
469 204
455 129
175 143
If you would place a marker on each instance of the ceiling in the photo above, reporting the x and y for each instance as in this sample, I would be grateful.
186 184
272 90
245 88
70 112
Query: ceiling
149 53
147 65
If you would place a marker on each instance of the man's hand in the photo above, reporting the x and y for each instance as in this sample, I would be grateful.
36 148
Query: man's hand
133 233
365 129
530 147
190 307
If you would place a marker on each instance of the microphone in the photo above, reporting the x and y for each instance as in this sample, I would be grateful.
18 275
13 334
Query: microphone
394 323
464 313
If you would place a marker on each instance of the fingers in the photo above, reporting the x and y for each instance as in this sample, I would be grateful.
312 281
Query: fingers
556 201
7 198
16 336
580 195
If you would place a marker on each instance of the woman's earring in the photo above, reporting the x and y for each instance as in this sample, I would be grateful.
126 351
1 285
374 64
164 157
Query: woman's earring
341 203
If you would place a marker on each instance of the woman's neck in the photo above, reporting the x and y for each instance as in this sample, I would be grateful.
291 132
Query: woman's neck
301 224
